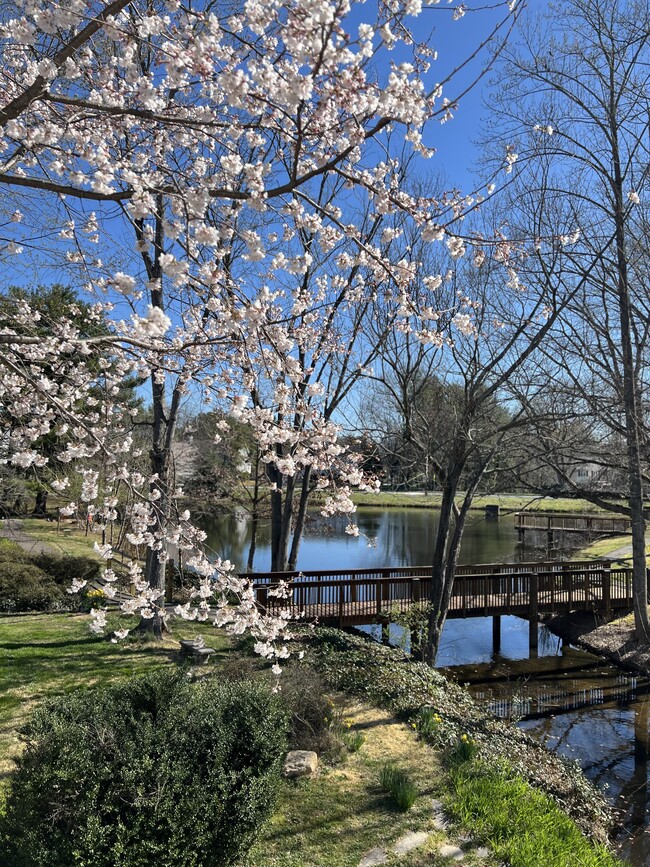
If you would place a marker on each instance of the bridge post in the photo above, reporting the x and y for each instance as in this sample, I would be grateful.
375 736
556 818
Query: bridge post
262 598
607 590
533 610
496 634
416 590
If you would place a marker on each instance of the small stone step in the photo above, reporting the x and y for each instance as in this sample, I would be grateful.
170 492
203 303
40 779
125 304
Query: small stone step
374 857
451 852
410 841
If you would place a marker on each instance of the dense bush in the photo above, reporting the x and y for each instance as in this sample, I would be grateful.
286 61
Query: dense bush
311 711
10 551
65 569
312 716
154 771
38 582
25 587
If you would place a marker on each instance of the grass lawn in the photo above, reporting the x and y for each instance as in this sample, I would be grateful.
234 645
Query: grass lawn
329 821
507 502
68 540
603 547
336 818
46 655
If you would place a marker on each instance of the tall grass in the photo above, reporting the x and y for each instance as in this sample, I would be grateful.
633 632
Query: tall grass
399 786
523 826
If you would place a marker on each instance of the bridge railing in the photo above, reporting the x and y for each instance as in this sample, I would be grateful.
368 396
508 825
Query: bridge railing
422 572
572 523
384 593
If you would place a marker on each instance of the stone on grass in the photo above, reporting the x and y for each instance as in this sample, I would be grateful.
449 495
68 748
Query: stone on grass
482 852
440 822
300 763
452 852
411 840
373 858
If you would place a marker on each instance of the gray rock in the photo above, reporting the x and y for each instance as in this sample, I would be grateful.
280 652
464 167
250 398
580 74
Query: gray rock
300 763
452 852
483 852
373 858
411 840
440 822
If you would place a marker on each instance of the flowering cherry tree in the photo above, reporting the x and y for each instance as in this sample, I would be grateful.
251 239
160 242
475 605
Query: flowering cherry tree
200 170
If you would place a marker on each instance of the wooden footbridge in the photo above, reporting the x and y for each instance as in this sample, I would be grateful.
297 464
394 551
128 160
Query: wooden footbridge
575 522
361 596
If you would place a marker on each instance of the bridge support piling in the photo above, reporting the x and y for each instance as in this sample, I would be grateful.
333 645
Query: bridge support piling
550 540
533 611
496 634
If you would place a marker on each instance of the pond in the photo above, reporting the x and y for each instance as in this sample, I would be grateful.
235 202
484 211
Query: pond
576 704
389 537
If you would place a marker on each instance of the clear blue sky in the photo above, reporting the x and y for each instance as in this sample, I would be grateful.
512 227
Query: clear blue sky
457 151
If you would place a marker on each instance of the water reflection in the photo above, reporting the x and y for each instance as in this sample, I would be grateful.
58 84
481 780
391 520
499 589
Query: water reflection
587 711
390 537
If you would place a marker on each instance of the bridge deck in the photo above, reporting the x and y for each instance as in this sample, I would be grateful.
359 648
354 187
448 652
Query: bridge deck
524 590
565 522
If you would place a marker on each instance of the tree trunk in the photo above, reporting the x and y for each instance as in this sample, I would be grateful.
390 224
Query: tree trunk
438 571
300 519
631 401
255 515
253 544
40 506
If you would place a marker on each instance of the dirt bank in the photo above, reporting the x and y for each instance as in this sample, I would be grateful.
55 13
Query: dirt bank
613 640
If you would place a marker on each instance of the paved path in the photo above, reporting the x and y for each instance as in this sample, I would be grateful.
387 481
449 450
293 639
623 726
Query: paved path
624 552
12 529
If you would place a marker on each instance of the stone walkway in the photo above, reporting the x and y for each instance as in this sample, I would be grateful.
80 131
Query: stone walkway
11 528
415 839
624 552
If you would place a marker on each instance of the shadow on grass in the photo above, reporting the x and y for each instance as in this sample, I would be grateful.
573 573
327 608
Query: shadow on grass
26 644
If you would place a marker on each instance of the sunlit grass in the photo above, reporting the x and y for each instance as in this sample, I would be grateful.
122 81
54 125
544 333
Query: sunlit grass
67 539
47 655
523 826
333 819
603 547
507 503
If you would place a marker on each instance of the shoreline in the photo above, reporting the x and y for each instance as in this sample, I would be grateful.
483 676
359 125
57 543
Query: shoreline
611 640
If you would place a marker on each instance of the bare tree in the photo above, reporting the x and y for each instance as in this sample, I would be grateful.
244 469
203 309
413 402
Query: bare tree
577 113
449 399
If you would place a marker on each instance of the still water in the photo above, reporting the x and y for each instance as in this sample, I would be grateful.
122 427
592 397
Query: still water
390 537
578 706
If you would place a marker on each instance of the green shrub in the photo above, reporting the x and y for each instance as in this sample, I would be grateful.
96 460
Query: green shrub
399 786
39 582
65 569
156 770
25 587
12 552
